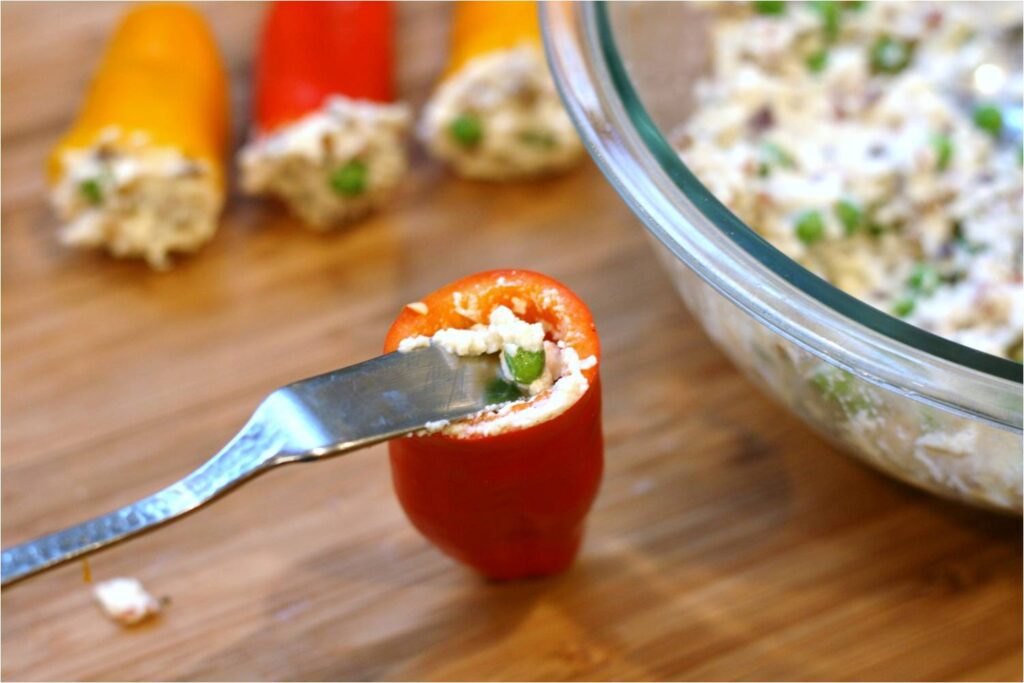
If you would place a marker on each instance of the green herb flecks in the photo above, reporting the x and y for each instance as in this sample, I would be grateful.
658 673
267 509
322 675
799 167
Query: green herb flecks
538 138
501 391
772 7
942 146
817 61
924 279
890 56
828 10
850 215
773 156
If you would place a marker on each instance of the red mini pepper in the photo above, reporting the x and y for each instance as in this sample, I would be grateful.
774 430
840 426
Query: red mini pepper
513 504
312 50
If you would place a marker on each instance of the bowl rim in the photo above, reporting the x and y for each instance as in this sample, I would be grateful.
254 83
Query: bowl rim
637 159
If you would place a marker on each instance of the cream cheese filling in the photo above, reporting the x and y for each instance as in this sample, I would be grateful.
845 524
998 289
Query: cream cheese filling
523 128
136 200
301 162
559 386
935 198
125 600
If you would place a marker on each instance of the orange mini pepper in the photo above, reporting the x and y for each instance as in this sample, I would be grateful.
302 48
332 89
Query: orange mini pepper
495 115
141 171
480 27
161 76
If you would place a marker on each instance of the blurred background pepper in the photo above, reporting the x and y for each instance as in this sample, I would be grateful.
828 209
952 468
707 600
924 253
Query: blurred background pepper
141 170
495 114
327 139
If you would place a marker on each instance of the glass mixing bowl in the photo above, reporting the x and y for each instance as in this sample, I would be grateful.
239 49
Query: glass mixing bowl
921 408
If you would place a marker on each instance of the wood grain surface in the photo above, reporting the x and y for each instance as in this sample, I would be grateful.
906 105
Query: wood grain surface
728 542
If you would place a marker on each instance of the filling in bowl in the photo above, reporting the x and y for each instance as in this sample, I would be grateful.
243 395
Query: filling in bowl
867 142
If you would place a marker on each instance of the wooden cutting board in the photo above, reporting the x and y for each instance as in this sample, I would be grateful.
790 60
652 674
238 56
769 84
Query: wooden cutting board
728 542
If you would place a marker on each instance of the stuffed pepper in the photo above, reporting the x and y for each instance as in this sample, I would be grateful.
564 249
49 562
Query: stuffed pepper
506 491
328 137
496 114
141 170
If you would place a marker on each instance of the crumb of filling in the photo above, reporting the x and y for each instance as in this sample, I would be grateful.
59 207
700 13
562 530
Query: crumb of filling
125 600
333 165
503 327
136 200
500 118
559 386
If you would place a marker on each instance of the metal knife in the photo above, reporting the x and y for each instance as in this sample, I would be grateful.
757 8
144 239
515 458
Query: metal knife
315 418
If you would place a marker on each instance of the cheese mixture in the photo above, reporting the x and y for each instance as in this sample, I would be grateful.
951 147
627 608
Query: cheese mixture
852 137
136 200
500 118
125 601
546 375
335 164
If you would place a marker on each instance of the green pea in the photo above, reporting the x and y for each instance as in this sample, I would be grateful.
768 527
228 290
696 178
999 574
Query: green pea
903 307
350 180
810 227
833 383
769 6
817 61
988 118
841 388
524 366
467 130
890 56
924 278
850 215
499 390
91 190
942 145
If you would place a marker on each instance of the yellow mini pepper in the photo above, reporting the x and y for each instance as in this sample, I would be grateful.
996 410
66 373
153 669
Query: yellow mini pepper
152 131
480 27
495 114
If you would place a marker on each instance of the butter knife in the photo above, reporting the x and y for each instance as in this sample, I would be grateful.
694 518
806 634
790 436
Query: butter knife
312 419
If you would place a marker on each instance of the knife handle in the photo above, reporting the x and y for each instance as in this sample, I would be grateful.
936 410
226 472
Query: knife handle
252 451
